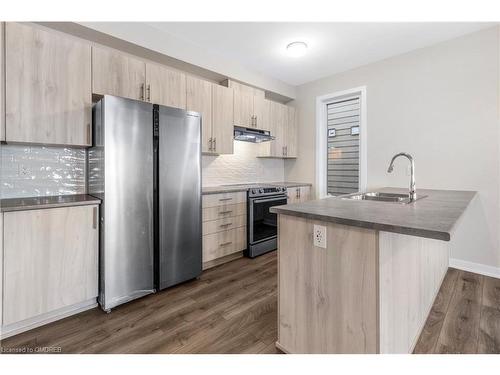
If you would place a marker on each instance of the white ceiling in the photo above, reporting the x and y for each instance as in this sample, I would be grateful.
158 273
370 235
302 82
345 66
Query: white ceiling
260 46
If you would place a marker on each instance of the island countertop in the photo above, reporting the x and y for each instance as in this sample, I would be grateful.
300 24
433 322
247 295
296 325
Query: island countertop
432 217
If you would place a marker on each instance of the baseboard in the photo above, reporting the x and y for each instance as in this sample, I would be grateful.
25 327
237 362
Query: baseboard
479 268
38 321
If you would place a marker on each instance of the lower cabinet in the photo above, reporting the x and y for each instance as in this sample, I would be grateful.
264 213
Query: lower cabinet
299 194
224 227
50 261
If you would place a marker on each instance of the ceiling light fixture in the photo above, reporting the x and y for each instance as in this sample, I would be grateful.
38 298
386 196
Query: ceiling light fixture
296 49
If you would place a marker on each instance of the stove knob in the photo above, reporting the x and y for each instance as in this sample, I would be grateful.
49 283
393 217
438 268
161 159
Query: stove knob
254 191
261 191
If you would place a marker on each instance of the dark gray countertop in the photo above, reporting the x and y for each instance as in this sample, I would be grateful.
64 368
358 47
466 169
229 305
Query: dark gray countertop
430 217
244 187
36 203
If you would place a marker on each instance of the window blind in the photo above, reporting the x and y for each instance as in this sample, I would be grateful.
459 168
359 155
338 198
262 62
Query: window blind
343 120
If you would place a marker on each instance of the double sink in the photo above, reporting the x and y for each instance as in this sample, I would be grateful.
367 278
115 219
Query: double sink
383 197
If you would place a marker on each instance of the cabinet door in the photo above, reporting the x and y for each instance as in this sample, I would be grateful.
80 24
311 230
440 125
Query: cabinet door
293 195
305 193
48 95
222 120
199 99
243 106
278 119
259 104
291 133
50 260
264 116
115 73
165 86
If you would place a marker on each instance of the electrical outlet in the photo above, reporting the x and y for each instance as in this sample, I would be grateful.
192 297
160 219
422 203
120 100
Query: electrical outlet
320 236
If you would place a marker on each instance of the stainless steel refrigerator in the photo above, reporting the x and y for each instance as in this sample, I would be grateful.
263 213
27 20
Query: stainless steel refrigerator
145 166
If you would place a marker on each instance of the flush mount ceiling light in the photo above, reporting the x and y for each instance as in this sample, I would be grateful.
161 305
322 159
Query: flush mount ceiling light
296 49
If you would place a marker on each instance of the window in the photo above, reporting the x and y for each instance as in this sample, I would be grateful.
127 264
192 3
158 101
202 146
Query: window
343 118
341 142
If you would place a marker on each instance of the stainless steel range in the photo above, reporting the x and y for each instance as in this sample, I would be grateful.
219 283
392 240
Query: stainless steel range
262 224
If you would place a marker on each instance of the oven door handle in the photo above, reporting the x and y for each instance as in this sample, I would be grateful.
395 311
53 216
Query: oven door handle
269 200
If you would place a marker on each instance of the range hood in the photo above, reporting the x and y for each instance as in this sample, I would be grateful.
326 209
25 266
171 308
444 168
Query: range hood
252 135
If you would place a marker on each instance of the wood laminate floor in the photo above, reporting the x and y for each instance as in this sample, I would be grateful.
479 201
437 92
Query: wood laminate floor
233 309
465 317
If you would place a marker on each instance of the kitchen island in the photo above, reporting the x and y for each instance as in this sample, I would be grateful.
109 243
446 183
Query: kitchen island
366 285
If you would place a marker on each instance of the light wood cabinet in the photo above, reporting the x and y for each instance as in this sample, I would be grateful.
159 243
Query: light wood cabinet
215 103
291 131
283 126
248 105
115 73
298 194
165 86
47 81
50 260
224 227
222 122
199 99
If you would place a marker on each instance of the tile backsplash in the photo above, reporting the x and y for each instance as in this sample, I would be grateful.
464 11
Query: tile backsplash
29 171
241 167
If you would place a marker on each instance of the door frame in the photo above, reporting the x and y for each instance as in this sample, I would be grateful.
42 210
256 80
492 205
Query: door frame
321 138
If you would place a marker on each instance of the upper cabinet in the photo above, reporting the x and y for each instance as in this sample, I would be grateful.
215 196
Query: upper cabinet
248 105
199 99
115 73
47 84
165 86
282 120
215 103
222 121
291 132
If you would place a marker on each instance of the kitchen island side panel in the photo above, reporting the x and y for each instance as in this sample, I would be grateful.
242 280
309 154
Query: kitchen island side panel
327 296
411 272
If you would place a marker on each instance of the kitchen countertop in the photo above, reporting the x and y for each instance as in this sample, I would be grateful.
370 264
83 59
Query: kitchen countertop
36 203
432 217
244 187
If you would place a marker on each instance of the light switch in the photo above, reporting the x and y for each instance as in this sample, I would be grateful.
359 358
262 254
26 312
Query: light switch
319 236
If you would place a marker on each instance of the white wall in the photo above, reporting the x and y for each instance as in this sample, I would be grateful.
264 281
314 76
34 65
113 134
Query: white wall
440 104
241 167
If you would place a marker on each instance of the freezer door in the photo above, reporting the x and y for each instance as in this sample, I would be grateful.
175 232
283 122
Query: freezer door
179 196
127 222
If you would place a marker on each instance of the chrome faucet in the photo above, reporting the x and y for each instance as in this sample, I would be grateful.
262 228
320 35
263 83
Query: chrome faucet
412 194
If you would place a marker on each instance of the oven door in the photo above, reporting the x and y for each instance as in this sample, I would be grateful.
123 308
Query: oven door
263 225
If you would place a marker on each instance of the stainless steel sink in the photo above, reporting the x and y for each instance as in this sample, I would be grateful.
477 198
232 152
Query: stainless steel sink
382 197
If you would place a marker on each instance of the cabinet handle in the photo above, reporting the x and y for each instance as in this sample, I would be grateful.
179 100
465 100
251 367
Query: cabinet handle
286 150
210 144
88 134
225 199
226 243
215 144
225 225
142 91
94 218
255 120
225 212
149 93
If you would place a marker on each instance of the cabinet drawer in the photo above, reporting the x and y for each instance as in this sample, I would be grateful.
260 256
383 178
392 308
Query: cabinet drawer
220 244
214 200
221 212
214 226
